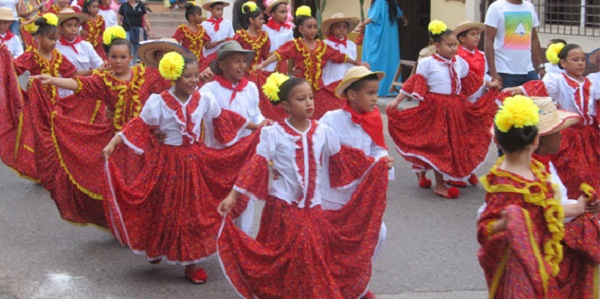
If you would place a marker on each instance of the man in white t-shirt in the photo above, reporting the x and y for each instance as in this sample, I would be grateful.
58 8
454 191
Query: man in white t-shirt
512 46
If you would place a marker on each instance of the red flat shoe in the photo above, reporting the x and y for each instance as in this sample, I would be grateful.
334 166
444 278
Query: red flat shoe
197 277
369 295
473 180
424 182
459 184
451 193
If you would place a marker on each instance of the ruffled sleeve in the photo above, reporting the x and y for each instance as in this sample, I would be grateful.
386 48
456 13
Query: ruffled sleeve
138 132
179 35
535 88
415 86
92 86
334 55
67 69
347 166
25 62
286 51
253 180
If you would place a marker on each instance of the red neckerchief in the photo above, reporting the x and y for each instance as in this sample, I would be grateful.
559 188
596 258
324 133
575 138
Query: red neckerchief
227 84
544 160
276 25
583 108
174 104
216 23
105 8
338 41
370 122
6 37
476 60
453 76
63 41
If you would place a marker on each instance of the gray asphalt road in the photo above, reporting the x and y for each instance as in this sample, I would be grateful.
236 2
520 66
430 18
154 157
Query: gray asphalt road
430 251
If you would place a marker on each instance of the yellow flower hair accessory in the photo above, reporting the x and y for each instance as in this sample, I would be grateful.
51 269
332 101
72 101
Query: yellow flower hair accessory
192 3
273 84
303 11
249 7
517 112
111 33
437 27
552 53
171 66
51 19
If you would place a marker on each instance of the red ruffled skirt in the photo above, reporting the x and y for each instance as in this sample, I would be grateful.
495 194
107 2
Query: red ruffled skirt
446 133
578 160
308 252
170 210
17 140
69 156
326 100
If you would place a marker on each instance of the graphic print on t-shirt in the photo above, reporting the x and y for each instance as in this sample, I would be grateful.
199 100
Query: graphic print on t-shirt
517 25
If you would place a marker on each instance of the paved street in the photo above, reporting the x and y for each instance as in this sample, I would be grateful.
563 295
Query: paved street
430 251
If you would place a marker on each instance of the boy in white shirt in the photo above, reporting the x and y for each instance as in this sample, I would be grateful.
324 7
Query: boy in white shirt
12 41
335 31
219 29
78 51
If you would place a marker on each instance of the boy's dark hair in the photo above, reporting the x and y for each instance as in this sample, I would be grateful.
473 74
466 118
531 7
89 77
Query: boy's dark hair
359 84
191 9
117 42
86 5
436 38
565 52
515 139
286 88
44 29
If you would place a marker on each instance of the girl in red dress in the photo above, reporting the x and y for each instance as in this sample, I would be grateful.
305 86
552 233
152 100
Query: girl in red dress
311 55
18 143
254 38
70 146
192 36
302 251
170 210
445 132
92 30
578 160
527 251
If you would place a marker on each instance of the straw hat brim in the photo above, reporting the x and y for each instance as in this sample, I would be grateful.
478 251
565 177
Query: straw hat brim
147 51
214 65
566 118
273 4
67 16
326 25
468 26
7 17
594 57
346 82
206 6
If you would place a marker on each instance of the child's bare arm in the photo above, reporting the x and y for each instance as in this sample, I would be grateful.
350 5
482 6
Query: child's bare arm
228 203
63 83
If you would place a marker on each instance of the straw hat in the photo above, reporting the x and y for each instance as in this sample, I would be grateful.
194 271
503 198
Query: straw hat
6 14
468 25
272 5
352 75
148 50
226 49
553 120
337 18
594 57
68 13
206 6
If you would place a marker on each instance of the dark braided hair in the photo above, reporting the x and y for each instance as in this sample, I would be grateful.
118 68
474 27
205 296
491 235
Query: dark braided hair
45 29
286 88
515 139
117 42
191 9
565 52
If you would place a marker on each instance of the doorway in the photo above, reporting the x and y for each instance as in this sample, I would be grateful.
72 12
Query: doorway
414 37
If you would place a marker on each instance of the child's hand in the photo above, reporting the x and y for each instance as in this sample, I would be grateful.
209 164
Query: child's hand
493 84
104 66
390 161
395 102
258 67
207 75
160 136
83 32
365 64
593 207
108 150
226 205
45 79
513 90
